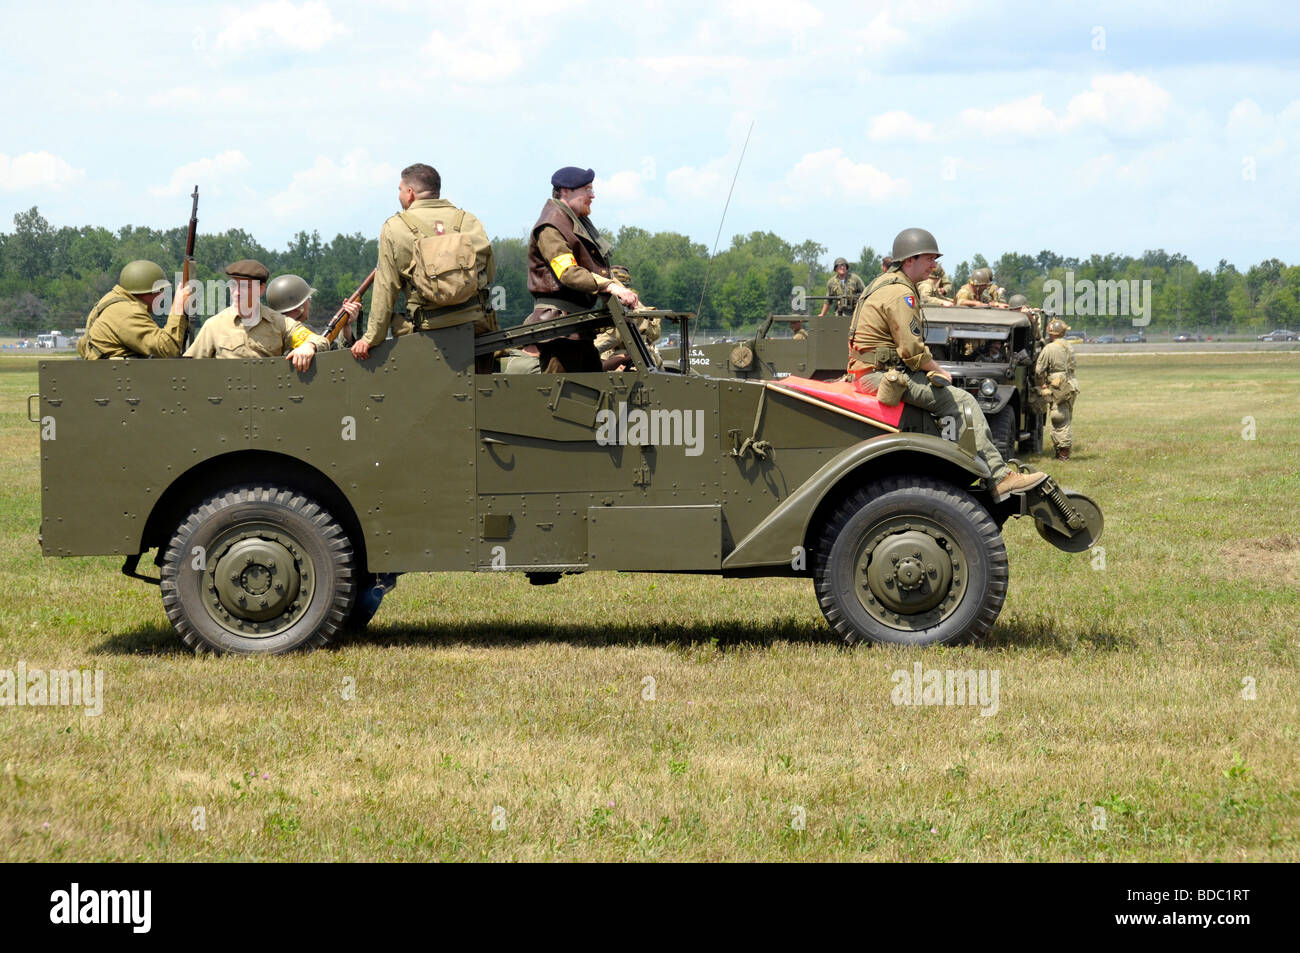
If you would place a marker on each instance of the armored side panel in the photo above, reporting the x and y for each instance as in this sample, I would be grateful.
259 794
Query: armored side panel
394 434
569 464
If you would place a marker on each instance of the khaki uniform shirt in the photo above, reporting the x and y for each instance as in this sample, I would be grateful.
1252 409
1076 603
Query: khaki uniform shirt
397 247
931 292
126 329
800 335
988 296
888 316
224 335
845 294
608 342
1055 367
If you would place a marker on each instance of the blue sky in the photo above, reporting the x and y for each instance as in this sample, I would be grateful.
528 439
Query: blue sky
1089 128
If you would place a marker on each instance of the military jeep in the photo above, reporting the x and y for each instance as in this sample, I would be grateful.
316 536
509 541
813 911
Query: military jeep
990 353
275 501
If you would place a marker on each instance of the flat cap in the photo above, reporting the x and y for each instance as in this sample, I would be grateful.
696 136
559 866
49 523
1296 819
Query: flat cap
571 177
248 268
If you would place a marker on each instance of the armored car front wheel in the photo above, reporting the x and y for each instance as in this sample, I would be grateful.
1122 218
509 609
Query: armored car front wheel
913 562
256 570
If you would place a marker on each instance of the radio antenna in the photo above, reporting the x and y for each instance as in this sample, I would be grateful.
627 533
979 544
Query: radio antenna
699 309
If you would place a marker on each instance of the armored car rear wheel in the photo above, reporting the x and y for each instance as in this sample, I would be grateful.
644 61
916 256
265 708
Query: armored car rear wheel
258 570
911 562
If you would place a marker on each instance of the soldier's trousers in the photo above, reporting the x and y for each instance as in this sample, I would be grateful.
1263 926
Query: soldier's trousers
1059 415
948 403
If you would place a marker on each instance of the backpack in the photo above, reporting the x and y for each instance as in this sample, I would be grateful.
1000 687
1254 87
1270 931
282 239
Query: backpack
442 265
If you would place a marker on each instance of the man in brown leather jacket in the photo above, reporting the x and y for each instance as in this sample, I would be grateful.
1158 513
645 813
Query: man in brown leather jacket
568 268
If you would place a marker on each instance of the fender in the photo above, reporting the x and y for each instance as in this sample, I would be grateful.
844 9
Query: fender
771 541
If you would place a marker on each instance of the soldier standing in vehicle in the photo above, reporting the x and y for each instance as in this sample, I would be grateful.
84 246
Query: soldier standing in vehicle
887 340
250 329
568 267
291 296
608 342
121 324
425 214
1054 376
980 291
931 288
799 333
843 289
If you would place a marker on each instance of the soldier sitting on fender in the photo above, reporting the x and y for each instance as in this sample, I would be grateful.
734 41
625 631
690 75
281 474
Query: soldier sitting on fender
887 347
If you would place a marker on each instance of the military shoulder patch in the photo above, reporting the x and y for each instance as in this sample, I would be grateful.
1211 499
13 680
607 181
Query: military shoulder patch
909 300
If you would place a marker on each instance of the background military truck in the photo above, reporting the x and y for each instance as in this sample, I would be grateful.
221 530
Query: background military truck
272 498
959 338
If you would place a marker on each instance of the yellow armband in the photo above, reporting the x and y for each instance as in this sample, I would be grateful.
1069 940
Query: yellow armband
562 263
300 335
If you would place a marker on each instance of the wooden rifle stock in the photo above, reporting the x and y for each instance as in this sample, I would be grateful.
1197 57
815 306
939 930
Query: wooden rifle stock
188 263
340 319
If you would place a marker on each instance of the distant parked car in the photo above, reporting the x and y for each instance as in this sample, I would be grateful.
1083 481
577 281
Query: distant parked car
1138 338
1108 339
1188 336
1076 336
1281 334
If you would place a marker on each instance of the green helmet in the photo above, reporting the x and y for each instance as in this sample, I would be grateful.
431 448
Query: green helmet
1056 327
841 261
914 241
1017 301
621 274
140 277
286 292
981 276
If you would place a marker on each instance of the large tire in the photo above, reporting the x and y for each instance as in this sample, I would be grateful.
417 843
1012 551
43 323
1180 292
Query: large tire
256 570
911 562
1004 426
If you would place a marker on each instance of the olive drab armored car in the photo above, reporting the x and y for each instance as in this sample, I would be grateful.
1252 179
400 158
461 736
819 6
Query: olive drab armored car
274 500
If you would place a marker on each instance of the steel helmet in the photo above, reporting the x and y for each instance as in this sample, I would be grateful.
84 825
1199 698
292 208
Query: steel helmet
841 261
620 274
1056 327
1018 301
913 241
287 292
140 277
981 276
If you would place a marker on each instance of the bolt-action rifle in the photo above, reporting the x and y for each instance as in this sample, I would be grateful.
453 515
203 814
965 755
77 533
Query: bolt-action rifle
188 264
341 318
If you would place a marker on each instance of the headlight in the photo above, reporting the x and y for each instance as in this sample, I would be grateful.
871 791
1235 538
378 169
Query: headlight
988 387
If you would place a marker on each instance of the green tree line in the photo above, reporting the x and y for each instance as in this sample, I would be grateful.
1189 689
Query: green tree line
51 277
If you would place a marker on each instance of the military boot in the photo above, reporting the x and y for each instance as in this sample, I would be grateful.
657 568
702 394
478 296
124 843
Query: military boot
1063 453
1015 482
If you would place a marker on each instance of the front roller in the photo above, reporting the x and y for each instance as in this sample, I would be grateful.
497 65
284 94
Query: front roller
1065 518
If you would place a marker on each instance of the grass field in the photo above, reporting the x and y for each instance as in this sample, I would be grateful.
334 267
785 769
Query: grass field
1147 709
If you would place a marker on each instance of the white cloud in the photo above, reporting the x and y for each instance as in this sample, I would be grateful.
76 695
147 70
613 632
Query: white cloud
1027 118
176 96
696 184
302 28
329 183
626 186
1121 102
899 126
880 36
776 16
830 174
36 170
478 56
202 171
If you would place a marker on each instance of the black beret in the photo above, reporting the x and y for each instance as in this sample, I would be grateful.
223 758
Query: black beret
571 177
248 268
